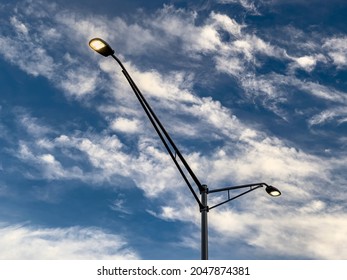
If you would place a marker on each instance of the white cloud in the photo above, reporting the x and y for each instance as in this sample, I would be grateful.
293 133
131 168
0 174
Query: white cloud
181 25
172 86
307 62
79 82
239 57
321 91
270 158
125 125
274 89
316 206
48 159
231 66
83 26
35 54
249 45
19 26
261 85
226 23
37 61
104 153
196 39
310 236
32 125
27 243
108 158
337 50
322 118
337 114
218 117
208 39
46 165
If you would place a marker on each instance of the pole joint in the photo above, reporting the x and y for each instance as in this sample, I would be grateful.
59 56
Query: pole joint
204 192
204 189
204 209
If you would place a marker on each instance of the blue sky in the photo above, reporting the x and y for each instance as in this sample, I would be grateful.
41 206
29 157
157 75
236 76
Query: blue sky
250 91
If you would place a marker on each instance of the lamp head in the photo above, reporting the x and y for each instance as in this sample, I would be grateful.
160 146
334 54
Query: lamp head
101 47
273 191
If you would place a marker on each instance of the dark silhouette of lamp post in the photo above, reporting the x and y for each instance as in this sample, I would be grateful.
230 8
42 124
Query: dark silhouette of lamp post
103 48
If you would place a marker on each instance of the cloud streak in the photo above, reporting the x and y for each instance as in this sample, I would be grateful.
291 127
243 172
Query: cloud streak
72 243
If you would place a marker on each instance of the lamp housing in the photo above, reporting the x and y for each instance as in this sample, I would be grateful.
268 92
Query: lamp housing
271 190
101 47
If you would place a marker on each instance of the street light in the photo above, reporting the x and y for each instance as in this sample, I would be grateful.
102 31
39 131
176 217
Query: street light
103 48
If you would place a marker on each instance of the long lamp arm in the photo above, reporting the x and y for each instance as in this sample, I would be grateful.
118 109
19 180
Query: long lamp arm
163 134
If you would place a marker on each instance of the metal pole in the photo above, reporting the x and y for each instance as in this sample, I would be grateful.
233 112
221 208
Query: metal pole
204 223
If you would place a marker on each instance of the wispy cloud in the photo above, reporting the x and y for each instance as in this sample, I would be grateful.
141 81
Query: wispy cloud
337 50
30 124
19 26
307 237
249 5
120 205
337 115
62 243
46 165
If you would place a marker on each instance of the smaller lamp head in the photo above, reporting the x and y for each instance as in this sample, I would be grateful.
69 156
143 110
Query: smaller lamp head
272 191
101 47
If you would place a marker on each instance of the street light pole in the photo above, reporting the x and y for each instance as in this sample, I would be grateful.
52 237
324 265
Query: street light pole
204 223
104 49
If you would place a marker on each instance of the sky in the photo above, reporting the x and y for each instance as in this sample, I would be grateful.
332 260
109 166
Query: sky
250 91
